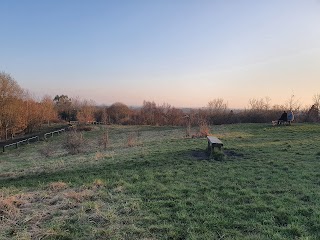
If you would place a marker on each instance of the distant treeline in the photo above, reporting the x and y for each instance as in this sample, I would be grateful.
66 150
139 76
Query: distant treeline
22 113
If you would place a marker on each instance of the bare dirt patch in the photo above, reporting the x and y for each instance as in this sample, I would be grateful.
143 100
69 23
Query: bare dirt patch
232 153
199 154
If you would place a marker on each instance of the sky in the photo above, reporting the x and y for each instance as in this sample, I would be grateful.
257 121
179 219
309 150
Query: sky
182 52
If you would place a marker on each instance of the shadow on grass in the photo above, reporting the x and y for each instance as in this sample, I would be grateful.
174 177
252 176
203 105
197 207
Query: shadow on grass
114 171
199 154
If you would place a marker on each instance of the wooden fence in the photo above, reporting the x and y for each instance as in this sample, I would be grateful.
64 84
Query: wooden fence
16 144
36 138
51 133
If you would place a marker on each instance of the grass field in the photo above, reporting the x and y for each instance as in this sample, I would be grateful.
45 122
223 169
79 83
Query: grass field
164 186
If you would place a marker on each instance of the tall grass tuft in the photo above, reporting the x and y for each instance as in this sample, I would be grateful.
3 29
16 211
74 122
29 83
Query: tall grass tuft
131 140
104 140
46 150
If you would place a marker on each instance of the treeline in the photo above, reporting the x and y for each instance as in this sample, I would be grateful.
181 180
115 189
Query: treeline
216 112
22 113
19 111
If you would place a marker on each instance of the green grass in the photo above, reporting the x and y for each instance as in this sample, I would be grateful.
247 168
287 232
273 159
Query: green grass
267 186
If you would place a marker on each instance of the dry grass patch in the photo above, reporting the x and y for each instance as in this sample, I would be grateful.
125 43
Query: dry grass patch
47 150
103 155
79 196
57 186
9 206
98 183
60 212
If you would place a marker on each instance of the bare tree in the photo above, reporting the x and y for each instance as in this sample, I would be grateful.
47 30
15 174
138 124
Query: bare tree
216 111
217 105
259 104
293 103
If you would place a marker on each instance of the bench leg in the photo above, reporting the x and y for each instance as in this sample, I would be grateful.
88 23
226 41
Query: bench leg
210 149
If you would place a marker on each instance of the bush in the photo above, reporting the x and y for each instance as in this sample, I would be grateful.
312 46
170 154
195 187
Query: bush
203 130
74 142
104 139
131 140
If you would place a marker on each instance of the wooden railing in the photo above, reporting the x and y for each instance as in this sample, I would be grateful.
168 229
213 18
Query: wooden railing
51 133
36 138
16 144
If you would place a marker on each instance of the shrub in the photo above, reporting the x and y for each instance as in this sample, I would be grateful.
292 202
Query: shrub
104 139
74 142
131 140
204 129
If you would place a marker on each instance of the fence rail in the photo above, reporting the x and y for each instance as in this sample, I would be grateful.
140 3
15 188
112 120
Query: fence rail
51 133
16 144
36 138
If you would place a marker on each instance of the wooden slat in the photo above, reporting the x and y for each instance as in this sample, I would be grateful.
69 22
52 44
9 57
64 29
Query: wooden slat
215 140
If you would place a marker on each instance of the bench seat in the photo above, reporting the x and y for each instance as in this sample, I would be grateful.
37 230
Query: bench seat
212 143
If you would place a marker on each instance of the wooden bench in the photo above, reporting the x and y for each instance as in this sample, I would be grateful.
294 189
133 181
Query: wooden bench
212 143
281 122
285 122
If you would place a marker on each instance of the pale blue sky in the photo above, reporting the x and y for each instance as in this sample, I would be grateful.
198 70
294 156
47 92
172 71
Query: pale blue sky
182 52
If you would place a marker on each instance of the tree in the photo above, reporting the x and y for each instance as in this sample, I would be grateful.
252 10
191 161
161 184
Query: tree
63 105
101 115
148 113
217 111
47 109
119 113
259 105
217 105
10 97
33 114
293 103
86 111
316 101
313 114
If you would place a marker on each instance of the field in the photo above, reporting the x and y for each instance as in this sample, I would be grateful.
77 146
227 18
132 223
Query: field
154 183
